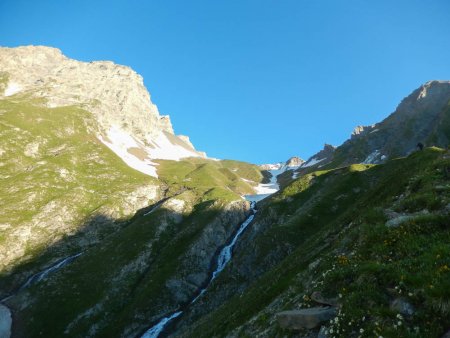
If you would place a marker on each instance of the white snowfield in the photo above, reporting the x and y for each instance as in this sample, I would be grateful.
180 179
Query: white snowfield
267 189
139 156
12 89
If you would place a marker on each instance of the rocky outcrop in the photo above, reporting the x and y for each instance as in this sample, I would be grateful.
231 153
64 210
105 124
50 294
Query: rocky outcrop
196 262
360 131
305 318
294 162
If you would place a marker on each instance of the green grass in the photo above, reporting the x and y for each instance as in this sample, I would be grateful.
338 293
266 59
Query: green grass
55 176
58 178
214 179
338 216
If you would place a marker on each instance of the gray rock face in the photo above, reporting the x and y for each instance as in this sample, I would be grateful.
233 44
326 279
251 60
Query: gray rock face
361 130
5 322
305 318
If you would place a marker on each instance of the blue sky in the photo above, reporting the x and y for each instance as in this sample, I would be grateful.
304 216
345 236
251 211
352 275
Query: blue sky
258 81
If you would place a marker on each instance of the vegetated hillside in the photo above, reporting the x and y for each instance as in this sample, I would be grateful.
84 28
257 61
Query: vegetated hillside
153 264
422 117
56 178
370 236
146 244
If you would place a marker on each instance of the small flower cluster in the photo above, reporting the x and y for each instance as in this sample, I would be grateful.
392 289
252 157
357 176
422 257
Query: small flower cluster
342 260
399 321
340 326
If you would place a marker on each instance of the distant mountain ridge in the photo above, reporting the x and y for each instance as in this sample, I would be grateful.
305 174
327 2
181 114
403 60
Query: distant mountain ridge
422 117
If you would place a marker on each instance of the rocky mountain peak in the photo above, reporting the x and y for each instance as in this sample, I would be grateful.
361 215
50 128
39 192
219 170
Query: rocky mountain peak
294 162
113 93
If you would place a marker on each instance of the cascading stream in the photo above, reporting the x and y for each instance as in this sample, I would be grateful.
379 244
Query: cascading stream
36 278
222 260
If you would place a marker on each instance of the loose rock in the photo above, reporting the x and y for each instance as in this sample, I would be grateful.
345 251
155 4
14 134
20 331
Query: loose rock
305 318
402 306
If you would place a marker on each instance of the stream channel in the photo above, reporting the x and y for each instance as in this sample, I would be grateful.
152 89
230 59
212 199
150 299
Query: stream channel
222 259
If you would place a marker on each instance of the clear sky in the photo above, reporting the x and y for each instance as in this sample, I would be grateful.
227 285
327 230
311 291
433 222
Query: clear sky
253 80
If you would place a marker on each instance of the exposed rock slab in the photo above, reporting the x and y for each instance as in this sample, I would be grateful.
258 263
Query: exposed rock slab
320 299
305 318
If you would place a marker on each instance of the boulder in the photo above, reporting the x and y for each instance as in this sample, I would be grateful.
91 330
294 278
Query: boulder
5 322
401 305
305 318
398 220
318 298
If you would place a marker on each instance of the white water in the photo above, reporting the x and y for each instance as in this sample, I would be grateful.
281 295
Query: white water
41 275
36 278
157 329
222 260
225 254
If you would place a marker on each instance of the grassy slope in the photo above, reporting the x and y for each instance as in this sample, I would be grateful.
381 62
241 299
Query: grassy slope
49 157
216 179
122 281
55 176
337 220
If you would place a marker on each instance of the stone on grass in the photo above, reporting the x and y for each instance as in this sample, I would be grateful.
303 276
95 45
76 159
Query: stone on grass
305 318
402 306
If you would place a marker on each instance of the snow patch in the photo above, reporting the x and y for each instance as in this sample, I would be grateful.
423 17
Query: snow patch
166 150
12 89
311 162
121 143
264 190
372 158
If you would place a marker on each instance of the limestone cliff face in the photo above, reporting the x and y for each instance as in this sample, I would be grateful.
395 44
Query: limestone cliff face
114 94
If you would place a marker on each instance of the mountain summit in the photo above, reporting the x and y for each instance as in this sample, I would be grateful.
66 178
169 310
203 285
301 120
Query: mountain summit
128 122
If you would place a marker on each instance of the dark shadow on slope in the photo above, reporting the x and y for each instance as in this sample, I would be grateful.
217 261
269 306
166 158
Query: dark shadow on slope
59 257
126 270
